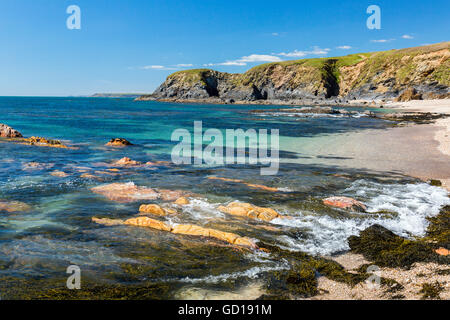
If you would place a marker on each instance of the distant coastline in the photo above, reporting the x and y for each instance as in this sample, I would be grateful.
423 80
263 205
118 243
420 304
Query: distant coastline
116 95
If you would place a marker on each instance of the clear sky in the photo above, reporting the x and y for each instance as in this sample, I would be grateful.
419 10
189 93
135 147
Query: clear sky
132 45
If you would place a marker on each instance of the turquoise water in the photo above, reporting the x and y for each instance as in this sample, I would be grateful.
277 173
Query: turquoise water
57 231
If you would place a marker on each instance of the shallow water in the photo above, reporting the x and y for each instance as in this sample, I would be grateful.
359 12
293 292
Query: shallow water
57 231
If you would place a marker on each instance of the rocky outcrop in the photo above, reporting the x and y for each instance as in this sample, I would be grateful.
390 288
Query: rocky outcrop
250 211
408 95
44 142
118 142
155 210
345 203
410 73
183 229
8 132
126 192
126 162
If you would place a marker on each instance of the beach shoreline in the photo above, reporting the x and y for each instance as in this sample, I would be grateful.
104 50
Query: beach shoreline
441 127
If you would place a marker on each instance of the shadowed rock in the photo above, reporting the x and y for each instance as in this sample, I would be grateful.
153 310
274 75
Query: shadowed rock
118 142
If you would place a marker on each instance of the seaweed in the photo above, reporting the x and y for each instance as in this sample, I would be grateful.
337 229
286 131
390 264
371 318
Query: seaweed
431 290
301 278
55 289
439 229
387 249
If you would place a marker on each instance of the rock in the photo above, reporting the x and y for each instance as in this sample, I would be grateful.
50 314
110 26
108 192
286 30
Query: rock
126 192
36 166
408 95
148 222
171 195
107 221
13 206
250 211
442 251
90 176
188 229
436 183
182 201
8 132
44 142
118 142
155 209
59 174
345 203
184 229
125 161
251 185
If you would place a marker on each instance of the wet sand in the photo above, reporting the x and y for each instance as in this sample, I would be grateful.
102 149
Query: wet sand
418 150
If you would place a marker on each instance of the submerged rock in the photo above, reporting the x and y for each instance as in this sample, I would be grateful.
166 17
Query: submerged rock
126 192
59 174
171 195
107 221
250 211
91 176
36 166
345 203
13 206
118 142
251 185
8 132
126 162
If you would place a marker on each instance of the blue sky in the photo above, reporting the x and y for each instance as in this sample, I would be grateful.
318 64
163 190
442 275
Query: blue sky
131 45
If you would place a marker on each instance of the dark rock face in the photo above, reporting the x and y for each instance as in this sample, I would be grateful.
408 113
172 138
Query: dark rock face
8 132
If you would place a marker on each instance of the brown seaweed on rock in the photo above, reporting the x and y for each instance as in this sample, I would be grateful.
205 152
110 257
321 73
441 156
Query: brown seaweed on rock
387 249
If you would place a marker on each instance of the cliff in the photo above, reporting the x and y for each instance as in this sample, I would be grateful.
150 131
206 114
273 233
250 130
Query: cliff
422 72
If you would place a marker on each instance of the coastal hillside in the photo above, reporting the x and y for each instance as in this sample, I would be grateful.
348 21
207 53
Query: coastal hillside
405 74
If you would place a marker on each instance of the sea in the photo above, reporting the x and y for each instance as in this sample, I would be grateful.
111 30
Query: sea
38 245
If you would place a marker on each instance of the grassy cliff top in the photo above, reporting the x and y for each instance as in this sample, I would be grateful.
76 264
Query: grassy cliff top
374 62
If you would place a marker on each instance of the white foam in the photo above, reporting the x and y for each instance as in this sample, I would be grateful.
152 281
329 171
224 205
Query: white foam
412 203
200 209
252 273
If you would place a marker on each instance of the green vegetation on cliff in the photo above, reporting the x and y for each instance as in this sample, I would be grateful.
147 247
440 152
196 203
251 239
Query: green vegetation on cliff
356 75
